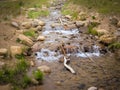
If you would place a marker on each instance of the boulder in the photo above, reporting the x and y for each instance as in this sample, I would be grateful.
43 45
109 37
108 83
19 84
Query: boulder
92 88
15 24
41 38
39 28
41 23
107 39
25 40
101 31
26 25
44 69
15 50
3 51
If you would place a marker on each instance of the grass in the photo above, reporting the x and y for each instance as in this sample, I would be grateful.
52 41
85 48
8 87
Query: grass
36 14
15 75
114 46
91 29
11 8
38 75
102 6
30 33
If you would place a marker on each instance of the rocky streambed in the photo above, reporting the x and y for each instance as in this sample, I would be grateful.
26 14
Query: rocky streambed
95 66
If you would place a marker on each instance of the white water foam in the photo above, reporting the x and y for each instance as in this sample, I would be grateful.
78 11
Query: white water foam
64 32
49 55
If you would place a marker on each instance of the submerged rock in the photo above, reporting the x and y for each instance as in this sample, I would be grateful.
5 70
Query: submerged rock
44 69
25 40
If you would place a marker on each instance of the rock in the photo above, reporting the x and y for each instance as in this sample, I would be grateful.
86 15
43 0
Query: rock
25 40
52 25
34 81
70 27
41 38
32 63
92 88
31 9
36 47
39 28
3 51
41 23
82 16
79 24
15 50
44 69
101 31
58 83
15 24
107 39
35 24
68 16
118 24
26 25
114 20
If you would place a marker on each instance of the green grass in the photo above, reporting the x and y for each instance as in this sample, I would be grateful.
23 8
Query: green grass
10 8
37 14
15 75
91 29
102 6
30 33
114 46
38 75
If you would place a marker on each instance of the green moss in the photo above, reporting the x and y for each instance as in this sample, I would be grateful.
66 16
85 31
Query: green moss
30 33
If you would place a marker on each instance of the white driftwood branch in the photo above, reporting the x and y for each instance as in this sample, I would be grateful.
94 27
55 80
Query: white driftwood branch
68 67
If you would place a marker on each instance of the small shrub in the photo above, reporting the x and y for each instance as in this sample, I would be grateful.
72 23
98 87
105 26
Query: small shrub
38 75
30 33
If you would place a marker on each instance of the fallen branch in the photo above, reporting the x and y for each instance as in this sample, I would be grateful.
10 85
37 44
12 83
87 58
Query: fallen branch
68 67
65 62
